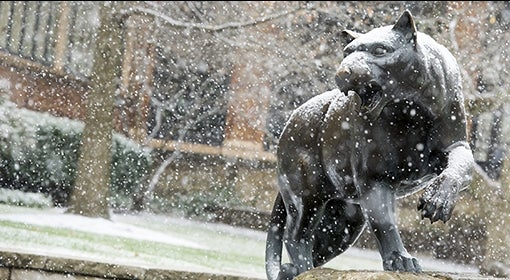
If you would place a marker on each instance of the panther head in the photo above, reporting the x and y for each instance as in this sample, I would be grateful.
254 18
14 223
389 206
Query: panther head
381 65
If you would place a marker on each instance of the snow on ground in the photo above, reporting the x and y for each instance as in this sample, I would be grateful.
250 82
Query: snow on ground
159 241
96 225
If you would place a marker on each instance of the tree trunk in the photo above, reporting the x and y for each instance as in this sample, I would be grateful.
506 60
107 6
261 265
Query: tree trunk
90 196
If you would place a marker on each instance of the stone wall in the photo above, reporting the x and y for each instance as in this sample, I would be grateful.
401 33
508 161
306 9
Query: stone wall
19 266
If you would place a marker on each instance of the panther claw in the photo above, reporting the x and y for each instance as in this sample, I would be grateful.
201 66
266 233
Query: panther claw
400 262
429 210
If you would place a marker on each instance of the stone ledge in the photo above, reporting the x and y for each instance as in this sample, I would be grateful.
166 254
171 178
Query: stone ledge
332 274
22 266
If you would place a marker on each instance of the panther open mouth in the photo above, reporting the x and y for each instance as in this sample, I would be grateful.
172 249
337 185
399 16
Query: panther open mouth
371 96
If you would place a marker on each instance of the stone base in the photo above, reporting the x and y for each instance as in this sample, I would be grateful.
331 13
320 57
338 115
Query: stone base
22 266
332 274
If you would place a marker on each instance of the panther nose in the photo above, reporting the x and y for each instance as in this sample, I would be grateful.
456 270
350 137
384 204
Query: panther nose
342 76
343 70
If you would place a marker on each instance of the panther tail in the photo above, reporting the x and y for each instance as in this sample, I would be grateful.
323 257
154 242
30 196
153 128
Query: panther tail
274 244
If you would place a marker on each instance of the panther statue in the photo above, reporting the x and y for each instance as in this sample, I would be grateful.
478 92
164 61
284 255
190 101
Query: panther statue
395 125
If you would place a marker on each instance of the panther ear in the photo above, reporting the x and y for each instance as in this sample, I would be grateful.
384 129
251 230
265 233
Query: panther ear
405 25
349 36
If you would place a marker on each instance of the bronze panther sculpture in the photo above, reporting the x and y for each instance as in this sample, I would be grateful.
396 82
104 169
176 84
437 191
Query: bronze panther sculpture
395 125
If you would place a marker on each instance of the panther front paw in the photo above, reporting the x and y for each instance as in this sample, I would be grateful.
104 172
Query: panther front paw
439 198
401 262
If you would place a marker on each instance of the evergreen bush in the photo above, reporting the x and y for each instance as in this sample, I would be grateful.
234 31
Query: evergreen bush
39 153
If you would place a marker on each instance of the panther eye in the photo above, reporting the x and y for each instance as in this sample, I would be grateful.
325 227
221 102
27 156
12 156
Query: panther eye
361 48
380 50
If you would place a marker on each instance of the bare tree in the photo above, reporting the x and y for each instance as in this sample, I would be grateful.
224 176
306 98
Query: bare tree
90 193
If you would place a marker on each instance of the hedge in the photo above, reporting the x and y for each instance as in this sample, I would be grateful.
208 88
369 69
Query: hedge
39 153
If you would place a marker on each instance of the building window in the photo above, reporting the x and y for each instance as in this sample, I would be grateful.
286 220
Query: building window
28 29
189 102
83 23
58 35
487 142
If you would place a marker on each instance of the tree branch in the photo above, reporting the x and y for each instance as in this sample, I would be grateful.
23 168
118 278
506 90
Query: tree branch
211 27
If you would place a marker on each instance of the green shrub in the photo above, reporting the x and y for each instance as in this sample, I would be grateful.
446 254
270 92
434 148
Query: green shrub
130 164
39 153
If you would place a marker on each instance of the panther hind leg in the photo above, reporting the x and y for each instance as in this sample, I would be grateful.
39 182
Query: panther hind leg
341 225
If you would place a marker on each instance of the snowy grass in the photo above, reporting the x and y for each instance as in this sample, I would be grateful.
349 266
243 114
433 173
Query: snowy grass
156 241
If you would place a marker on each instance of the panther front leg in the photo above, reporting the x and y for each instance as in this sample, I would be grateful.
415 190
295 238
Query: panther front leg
440 195
378 205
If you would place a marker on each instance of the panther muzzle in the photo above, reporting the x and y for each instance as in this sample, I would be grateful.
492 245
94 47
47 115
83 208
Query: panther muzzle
368 89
